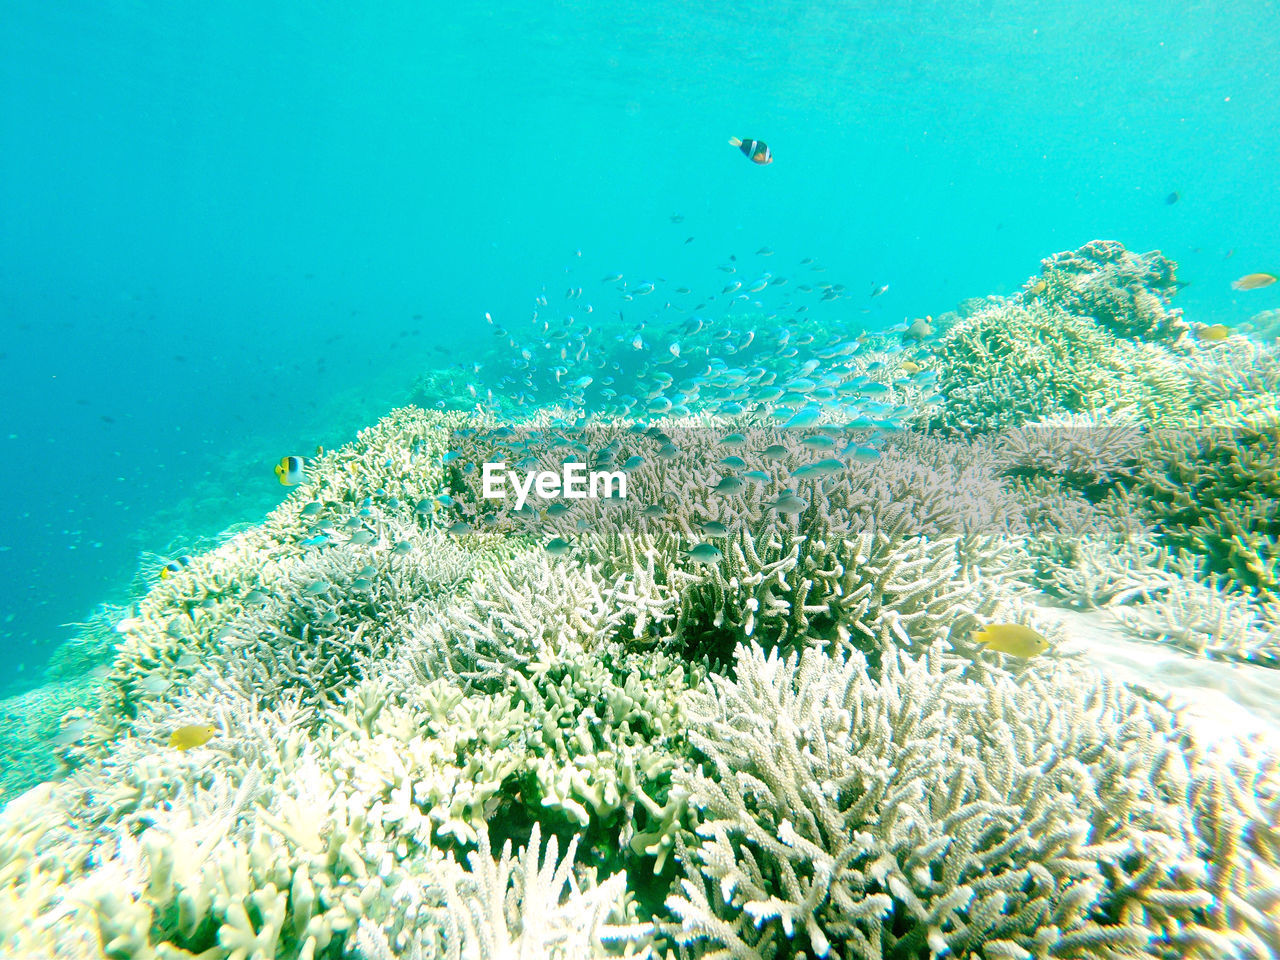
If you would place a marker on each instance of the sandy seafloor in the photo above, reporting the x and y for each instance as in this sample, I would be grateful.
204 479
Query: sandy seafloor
1224 703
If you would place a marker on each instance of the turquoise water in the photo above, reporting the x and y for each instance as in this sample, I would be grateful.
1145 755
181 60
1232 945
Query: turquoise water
932 606
220 224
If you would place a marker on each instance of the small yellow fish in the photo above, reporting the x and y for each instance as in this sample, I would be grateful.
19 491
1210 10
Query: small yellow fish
1216 332
290 471
1038 288
192 735
911 367
1011 638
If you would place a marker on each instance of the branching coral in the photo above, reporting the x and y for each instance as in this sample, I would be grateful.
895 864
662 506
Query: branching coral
745 694
1020 362
1207 620
1085 448
1127 293
932 811
916 540
1094 554
530 905
1214 489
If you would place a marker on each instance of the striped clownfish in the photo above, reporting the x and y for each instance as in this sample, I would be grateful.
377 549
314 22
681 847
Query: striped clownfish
290 471
757 150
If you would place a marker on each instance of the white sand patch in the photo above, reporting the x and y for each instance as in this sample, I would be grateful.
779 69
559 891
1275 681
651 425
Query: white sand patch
1221 701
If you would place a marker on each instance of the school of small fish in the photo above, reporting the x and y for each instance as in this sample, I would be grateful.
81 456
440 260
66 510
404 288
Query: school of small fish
761 342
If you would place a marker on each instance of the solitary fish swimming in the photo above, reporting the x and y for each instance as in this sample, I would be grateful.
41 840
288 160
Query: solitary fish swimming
558 547
192 735
1012 638
290 471
757 150
705 553
1253 281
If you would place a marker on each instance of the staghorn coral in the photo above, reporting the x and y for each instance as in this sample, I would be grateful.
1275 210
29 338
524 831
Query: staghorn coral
1093 554
274 842
1207 621
942 810
528 905
369 782
1127 293
920 539
1087 449
1214 488
1018 362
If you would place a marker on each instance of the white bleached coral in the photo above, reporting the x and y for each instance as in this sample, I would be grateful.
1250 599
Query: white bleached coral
528 905
394 703
941 810
1206 620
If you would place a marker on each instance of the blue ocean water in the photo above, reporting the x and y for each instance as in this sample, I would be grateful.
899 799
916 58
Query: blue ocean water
233 232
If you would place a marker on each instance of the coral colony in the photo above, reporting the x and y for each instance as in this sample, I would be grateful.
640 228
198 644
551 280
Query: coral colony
744 710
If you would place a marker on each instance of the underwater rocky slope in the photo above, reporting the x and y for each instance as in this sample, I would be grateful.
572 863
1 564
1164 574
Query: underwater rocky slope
745 718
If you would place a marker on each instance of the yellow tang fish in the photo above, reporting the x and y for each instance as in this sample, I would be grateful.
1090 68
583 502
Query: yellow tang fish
1012 638
911 367
1216 332
290 471
192 735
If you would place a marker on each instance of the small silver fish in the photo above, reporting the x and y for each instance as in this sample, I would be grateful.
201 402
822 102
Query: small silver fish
558 547
705 553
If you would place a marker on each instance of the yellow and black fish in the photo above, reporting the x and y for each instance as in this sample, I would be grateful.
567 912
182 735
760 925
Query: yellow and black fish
757 150
173 567
290 471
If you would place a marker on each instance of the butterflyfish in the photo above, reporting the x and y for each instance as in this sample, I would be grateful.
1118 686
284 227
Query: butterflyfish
290 471
173 567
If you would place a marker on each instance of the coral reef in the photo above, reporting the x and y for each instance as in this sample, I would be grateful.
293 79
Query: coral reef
1127 293
1213 490
735 713
1212 485
1208 621
1018 362
1087 449
939 810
